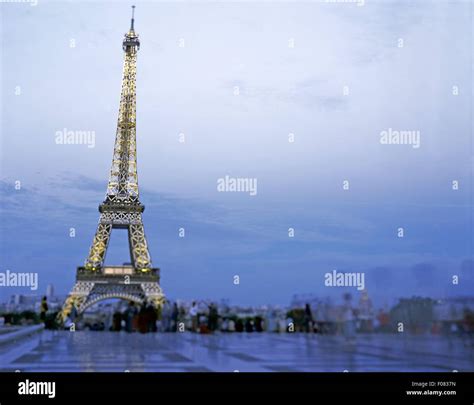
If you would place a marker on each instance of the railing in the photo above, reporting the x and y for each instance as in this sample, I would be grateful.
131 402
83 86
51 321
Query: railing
118 272
19 333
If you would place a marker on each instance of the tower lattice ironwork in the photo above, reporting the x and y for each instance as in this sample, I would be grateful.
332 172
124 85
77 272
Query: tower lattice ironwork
139 281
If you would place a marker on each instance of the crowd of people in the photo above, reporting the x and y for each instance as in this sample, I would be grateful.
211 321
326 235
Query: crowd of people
208 317
141 318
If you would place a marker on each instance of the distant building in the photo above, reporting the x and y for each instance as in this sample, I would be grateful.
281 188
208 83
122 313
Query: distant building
415 313
22 302
50 291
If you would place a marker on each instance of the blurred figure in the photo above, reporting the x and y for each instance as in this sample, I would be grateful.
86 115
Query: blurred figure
130 313
151 318
328 317
271 321
44 309
383 320
348 319
68 323
231 326
117 321
165 317
365 313
289 325
282 325
108 321
224 327
258 324
193 312
143 319
213 317
203 323
248 325
239 325
307 319
467 326
174 317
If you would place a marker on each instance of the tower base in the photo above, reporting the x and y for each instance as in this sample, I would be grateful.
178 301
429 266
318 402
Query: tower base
112 282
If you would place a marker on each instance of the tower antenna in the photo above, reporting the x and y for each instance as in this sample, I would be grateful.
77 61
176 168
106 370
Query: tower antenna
133 18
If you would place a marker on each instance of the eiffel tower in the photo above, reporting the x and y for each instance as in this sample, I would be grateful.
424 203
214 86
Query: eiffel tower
139 281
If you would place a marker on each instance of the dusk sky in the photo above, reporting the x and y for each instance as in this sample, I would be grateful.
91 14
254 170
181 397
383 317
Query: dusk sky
236 78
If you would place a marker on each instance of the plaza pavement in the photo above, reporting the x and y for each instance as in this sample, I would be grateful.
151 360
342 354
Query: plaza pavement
261 352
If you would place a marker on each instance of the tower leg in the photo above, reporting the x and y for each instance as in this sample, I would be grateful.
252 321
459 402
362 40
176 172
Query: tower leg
75 300
99 246
139 247
153 294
